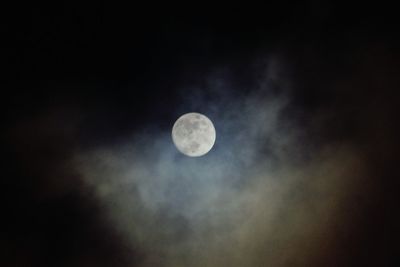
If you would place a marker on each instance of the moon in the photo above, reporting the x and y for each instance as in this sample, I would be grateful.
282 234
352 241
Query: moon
193 134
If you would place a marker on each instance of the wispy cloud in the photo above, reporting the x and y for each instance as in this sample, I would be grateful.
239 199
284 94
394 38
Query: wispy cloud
257 199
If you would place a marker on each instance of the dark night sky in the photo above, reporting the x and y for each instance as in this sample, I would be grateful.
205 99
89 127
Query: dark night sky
79 77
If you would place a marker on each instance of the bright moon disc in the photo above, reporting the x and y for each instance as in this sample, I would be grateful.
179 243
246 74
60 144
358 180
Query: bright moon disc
193 134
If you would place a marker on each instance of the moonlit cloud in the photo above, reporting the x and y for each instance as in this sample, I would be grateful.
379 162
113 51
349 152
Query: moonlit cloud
265 195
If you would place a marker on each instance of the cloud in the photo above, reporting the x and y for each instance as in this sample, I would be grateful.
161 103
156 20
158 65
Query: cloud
264 196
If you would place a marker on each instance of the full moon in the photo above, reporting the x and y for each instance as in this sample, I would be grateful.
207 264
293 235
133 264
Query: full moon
193 134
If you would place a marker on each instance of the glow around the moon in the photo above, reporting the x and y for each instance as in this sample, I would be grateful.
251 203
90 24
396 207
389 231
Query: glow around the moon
193 134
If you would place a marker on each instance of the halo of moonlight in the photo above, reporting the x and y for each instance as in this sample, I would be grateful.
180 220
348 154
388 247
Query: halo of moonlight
193 134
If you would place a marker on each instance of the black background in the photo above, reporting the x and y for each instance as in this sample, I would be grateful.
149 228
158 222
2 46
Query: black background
110 69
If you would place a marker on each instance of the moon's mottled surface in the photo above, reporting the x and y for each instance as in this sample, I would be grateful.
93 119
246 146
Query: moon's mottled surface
193 134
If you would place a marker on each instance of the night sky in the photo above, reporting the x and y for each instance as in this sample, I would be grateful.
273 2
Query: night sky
304 171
